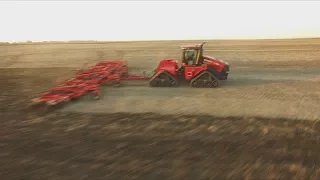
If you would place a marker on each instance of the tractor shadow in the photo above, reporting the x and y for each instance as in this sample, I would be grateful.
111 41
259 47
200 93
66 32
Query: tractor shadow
242 82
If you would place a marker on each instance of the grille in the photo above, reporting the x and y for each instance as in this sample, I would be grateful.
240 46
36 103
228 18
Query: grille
226 68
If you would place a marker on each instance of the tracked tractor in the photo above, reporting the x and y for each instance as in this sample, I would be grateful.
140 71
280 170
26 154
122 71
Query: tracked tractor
198 69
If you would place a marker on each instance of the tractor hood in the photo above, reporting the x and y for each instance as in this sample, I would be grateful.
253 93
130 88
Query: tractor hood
215 60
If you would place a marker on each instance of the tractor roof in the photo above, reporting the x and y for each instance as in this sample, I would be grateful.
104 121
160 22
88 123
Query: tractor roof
198 46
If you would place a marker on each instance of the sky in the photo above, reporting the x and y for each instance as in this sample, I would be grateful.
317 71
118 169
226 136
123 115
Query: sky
163 20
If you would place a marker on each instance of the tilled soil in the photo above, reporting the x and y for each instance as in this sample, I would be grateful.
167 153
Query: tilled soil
38 144
265 92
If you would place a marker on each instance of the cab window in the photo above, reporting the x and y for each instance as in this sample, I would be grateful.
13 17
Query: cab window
190 56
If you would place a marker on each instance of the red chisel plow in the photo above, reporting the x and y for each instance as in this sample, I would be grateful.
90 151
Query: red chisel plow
88 81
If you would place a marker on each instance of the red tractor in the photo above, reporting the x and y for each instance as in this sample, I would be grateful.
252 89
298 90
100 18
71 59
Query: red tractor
200 70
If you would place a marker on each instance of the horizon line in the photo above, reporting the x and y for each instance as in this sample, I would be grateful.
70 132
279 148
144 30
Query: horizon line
155 40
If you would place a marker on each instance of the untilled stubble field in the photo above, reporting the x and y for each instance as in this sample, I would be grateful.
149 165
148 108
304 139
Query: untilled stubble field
68 144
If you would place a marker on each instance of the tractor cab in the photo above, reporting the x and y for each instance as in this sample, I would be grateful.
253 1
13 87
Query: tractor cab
192 55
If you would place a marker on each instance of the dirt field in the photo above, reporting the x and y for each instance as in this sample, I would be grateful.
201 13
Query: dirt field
137 132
